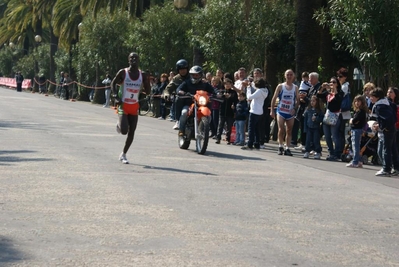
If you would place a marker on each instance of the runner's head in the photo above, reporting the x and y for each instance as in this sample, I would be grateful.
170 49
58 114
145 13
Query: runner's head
289 75
134 59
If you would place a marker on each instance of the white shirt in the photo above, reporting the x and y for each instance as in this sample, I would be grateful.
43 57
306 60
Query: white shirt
258 98
345 88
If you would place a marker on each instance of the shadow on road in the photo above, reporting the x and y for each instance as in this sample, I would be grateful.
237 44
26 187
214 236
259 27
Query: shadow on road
8 253
6 158
173 170
20 125
231 156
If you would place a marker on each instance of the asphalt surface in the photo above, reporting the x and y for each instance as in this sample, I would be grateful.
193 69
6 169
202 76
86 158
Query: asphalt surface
66 200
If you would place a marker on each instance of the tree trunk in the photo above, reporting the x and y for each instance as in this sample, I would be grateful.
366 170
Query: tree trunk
272 65
326 55
53 50
307 45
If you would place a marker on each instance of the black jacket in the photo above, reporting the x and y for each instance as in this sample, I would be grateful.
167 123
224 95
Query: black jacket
225 107
189 87
383 112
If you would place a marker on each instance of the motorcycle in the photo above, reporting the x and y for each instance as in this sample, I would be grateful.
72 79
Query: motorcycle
198 123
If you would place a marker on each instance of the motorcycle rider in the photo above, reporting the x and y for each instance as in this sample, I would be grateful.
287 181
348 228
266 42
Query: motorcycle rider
191 86
182 69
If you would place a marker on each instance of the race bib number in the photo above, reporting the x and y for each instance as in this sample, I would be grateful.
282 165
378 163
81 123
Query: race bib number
131 96
285 105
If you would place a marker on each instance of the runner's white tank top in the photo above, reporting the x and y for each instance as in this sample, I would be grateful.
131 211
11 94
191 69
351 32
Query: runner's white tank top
131 88
287 101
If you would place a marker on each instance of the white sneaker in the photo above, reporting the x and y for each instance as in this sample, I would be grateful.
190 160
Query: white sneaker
298 147
176 127
311 152
123 158
317 155
306 155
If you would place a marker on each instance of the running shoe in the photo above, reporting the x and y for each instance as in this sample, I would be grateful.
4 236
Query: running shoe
317 155
300 147
394 172
280 151
382 173
306 155
118 129
123 158
352 165
287 152
176 126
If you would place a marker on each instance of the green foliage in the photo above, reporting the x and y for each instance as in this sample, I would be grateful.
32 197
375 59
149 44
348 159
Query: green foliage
6 62
232 34
26 65
61 59
369 30
161 38
102 47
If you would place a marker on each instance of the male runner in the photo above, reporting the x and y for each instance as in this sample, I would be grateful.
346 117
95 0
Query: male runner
131 81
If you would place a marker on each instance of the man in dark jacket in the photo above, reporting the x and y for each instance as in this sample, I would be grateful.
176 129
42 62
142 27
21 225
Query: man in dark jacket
383 113
19 79
170 90
226 110
191 86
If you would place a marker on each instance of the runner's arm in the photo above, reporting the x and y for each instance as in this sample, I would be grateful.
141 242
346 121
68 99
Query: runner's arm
118 79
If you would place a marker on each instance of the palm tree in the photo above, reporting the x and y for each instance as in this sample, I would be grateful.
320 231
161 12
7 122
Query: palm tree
135 7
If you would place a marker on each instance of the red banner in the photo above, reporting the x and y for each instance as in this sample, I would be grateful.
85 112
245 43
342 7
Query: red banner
11 82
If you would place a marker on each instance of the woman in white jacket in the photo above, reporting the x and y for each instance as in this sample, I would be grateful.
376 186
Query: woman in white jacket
256 111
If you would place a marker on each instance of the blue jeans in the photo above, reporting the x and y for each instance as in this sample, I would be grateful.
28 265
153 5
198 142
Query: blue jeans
313 138
107 97
387 152
331 132
183 118
240 132
380 149
389 138
253 133
356 135
215 121
229 121
172 110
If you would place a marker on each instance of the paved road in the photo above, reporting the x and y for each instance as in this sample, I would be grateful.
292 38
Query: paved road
65 199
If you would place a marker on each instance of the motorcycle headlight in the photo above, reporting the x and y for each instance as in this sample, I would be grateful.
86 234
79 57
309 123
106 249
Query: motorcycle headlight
202 100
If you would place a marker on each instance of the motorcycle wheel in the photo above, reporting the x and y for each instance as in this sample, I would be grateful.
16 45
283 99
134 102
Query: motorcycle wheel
184 142
202 136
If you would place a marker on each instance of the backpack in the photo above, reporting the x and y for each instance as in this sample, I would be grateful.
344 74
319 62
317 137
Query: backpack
346 103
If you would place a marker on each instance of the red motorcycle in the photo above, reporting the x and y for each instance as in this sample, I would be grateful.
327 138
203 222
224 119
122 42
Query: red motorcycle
198 123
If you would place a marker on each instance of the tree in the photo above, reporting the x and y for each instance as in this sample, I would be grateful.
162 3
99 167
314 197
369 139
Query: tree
102 48
240 34
161 37
307 37
369 31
